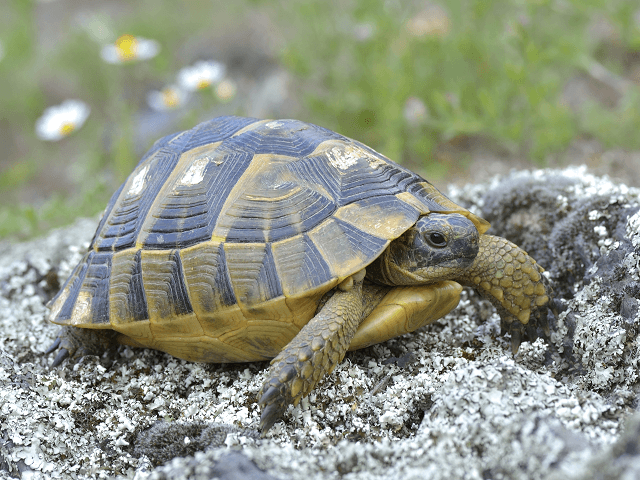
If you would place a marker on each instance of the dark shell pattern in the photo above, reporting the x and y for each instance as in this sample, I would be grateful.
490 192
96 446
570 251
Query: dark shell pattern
220 243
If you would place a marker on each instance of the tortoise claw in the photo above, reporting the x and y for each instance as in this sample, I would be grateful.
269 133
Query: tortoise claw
52 348
516 336
543 322
271 412
276 396
532 331
62 354
270 396
74 342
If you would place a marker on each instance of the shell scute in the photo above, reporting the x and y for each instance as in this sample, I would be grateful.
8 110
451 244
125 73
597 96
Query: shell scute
128 299
121 228
300 265
275 204
221 242
385 216
164 284
187 214
207 278
347 175
345 248
217 130
84 299
252 272
291 138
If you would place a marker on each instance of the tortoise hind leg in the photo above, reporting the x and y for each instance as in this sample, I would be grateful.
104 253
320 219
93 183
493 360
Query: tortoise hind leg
77 342
315 350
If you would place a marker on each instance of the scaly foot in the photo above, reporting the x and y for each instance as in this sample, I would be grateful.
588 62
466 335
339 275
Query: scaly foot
513 281
77 342
313 352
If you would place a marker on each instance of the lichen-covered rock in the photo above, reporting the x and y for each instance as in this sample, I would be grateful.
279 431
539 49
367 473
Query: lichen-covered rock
584 231
167 440
448 401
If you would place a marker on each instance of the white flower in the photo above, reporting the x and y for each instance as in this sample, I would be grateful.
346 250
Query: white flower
128 48
97 26
433 21
363 31
59 121
168 98
415 111
201 75
226 90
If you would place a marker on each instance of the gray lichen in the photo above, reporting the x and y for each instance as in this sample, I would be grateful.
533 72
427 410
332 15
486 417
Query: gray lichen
447 401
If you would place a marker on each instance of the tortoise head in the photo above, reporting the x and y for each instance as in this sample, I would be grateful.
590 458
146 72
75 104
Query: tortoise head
438 247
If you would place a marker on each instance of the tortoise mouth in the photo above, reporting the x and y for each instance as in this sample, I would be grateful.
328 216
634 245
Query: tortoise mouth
445 268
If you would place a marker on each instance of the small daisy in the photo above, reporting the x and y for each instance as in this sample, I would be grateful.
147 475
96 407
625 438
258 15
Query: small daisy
128 48
433 21
453 99
363 31
96 26
169 98
226 90
415 111
59 121
201 75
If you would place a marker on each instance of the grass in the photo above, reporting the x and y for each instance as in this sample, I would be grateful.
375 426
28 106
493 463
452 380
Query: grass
499 72
403 77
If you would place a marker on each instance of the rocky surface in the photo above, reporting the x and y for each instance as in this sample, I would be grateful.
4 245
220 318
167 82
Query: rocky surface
448 401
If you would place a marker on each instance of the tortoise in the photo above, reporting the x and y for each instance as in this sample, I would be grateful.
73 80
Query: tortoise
244 240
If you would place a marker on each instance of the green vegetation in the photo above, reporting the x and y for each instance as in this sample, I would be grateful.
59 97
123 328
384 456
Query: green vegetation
403 77
498 71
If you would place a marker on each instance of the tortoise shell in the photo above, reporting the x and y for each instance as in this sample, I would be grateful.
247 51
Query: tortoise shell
220 244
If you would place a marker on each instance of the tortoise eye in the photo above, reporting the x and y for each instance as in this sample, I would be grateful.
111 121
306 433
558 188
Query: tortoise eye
437 240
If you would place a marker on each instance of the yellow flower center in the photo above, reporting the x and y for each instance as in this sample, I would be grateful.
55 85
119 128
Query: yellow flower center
127 46
67 128
170 97
204 83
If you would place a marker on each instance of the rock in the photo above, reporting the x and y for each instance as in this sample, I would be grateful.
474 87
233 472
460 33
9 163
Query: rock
448 401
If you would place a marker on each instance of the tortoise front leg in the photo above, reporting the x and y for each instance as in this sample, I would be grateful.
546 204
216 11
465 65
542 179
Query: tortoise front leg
316 349
512 280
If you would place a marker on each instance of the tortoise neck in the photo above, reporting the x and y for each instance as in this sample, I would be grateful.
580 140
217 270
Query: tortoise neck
385 271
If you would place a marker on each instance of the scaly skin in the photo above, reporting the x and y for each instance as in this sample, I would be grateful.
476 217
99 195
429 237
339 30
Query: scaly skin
316 349
77 342
495 267
507 276
505 272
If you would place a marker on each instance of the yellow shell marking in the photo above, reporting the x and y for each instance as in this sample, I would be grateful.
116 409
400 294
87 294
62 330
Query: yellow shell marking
184 163
374 221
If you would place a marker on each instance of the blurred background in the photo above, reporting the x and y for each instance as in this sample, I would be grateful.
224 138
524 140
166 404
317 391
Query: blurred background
457 90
